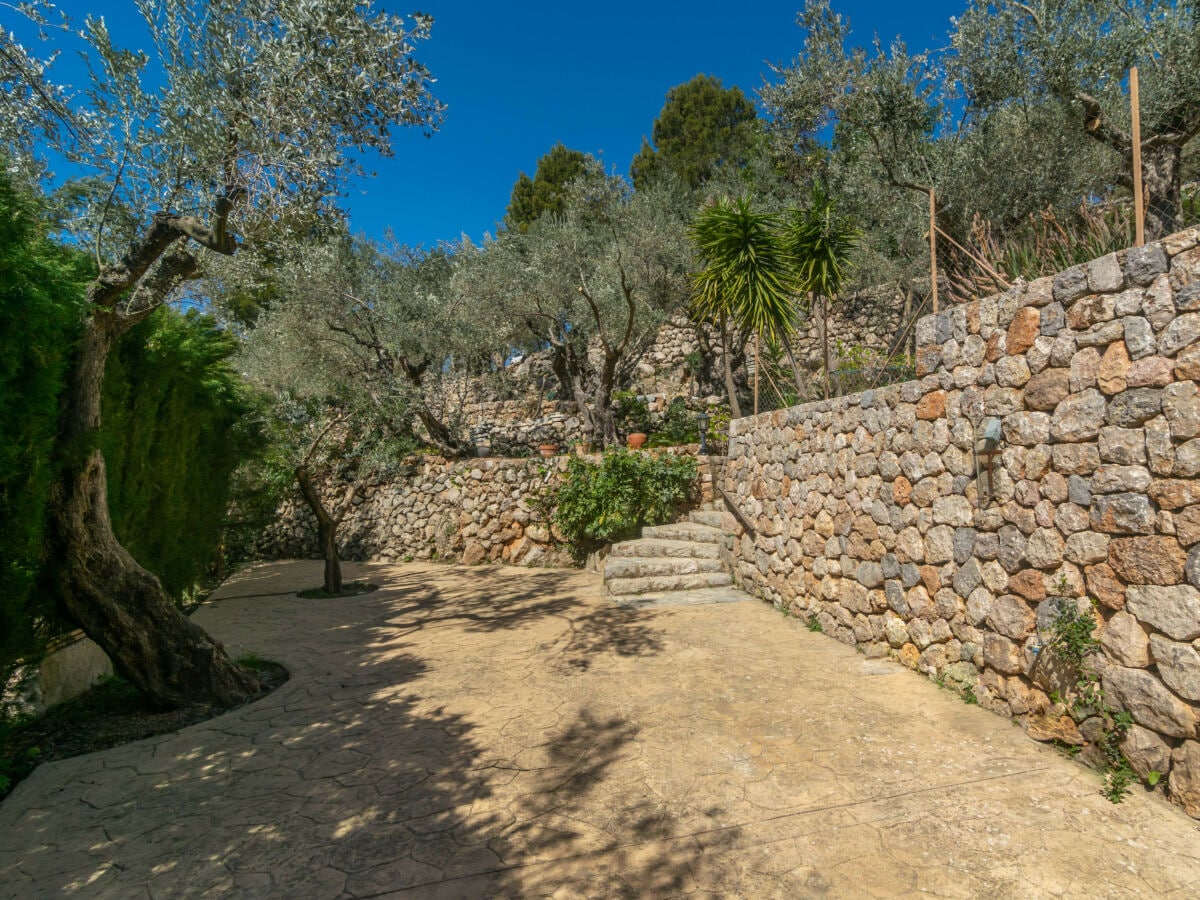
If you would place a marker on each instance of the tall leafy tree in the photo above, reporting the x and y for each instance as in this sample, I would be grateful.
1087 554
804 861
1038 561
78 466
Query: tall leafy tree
702 128
247 121
545 192
1078 53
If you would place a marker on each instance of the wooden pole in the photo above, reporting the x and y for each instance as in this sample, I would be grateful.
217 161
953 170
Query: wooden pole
757 363
1139 211
933 275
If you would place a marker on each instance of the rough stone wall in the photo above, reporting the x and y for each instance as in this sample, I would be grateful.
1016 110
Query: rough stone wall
865 511
468 511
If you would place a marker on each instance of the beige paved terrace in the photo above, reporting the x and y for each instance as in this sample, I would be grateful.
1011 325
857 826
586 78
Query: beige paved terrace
504 732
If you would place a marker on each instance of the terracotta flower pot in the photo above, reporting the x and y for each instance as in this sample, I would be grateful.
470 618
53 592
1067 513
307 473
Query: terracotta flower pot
636 440
547 450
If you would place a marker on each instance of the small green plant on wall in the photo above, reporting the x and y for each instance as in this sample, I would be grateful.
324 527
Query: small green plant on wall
1073 641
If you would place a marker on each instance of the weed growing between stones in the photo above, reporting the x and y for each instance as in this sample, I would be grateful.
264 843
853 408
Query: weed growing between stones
1073 640
814 624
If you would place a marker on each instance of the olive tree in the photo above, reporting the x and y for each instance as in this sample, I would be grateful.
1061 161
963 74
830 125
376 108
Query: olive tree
1078 53
244 117
593 285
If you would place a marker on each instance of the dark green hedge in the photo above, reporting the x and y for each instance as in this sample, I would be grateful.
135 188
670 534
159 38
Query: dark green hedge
174 431
40 294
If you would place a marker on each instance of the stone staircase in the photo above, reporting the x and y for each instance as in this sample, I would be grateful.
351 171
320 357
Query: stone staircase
672 565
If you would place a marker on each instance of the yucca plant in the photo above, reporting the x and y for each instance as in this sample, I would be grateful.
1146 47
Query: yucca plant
747 280
817 242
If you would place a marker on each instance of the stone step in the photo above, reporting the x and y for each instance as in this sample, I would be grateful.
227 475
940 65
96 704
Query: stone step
710 517
658 547
644 567
664 583
684 531
694 597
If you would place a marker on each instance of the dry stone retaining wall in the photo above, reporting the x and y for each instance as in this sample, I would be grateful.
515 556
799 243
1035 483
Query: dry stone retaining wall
865 515
468 511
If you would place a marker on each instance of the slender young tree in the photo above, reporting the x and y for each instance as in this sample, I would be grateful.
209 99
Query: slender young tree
818 243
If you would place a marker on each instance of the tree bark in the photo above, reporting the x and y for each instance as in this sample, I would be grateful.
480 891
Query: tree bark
797 376
825 340
327 527
735 409
117 603
1163 183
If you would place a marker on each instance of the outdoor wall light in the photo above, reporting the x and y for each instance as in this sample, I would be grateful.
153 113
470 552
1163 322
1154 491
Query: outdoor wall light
987 447
702 427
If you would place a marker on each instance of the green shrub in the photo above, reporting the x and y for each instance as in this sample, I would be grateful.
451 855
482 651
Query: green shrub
631 414
608 502
175 430
40 296
678 424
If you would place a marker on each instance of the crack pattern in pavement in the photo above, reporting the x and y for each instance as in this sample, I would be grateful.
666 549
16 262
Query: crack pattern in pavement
501 732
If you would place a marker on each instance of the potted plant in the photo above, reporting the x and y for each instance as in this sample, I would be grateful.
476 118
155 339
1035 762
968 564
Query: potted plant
633 417
547 450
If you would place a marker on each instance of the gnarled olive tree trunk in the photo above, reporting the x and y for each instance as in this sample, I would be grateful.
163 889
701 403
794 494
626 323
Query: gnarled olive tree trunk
117 603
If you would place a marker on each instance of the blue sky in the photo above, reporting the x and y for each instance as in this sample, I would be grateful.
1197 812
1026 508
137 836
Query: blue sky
517 77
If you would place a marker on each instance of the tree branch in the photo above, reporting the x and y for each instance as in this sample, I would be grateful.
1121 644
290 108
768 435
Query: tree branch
1097 126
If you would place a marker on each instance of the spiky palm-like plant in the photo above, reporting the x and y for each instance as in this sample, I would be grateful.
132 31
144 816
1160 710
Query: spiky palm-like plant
817 242
747 279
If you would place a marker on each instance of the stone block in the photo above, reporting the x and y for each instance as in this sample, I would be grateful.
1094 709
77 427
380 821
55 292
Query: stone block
1045 548
1002 655
1146 751
932 406
1100 335
1086 548
1150 559
1178 665
1028 583
1047 389
1184 781
1122 446
1122 514
1187 460
1181 406
1110 479
1126 642
1029 428
1187 526
1183 331
1172 609
1150 371
1023 330
1104 275
1175 493
1084 368
1104 586
1071 284
1144 264
1139 337
1079 417
1149 702
1134 407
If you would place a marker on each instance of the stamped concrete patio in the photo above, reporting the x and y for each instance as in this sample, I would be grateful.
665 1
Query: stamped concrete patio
507 732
